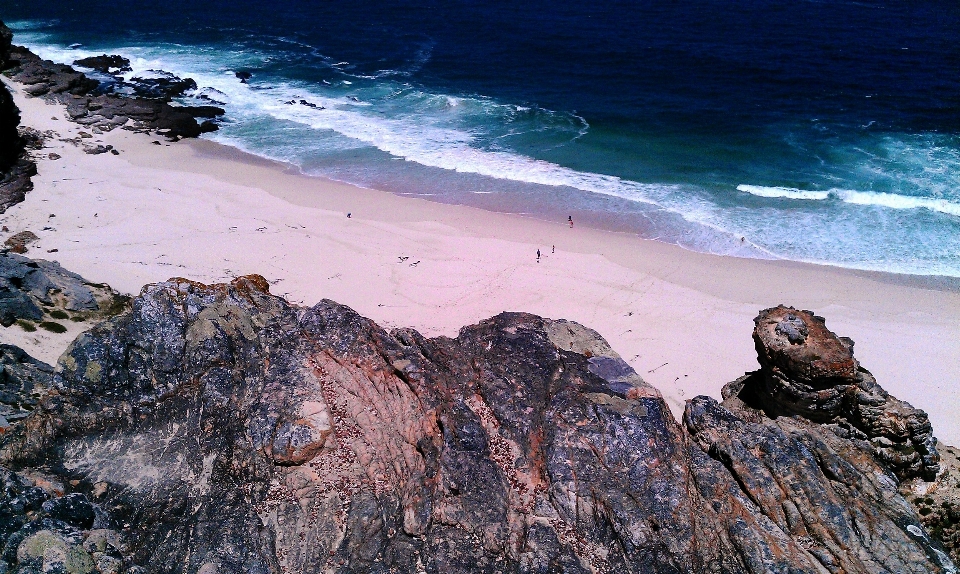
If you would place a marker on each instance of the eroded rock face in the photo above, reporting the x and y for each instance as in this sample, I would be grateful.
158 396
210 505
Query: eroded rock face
219 428
23 381
808 370
16 169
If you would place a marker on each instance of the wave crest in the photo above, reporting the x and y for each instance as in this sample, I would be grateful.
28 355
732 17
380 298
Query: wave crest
882 199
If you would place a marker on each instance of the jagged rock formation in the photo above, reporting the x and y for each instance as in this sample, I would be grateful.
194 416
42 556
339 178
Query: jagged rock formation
219 428
807 370
39 290
23 381
15 168
86 104
938 502
105 64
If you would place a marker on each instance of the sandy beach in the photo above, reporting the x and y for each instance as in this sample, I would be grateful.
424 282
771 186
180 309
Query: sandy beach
683 320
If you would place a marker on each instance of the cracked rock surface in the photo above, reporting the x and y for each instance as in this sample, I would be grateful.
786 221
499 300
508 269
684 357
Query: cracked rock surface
817 377
221 429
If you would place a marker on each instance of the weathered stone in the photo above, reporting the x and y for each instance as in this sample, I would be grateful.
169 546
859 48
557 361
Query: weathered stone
807 370
238 433
105 64
46 283
18 242
86 103
16 169
23 380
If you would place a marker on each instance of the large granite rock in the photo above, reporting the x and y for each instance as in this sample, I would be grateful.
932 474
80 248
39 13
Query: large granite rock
809 371
220 428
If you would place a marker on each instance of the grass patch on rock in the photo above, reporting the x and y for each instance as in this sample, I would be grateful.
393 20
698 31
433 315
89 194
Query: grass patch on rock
27 325
58 314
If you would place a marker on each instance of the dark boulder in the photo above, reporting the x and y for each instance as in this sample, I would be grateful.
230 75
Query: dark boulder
23 380
6 42
74 509
105 64
162 85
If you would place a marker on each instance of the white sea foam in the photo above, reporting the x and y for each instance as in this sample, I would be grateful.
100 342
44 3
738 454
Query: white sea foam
882 199
787 192
429 141
453 133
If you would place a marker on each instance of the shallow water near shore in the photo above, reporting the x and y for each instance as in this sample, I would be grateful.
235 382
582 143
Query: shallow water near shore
814 132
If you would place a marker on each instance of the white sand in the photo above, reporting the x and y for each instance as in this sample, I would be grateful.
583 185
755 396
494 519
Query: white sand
683 320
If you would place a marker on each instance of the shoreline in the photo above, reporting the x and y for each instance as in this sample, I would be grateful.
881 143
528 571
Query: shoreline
681 318
216 150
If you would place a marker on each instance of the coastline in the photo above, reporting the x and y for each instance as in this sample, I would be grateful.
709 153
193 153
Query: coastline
682 319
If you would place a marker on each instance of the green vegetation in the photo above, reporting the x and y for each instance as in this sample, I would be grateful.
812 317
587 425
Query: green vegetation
58 314
77 318
53 327
26 325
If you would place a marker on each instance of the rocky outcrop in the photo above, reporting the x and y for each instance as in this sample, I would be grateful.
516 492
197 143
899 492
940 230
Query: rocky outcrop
39 290
220 428
23 381
16 169
809 371
107 106
107 111
105 64
938 502
162 85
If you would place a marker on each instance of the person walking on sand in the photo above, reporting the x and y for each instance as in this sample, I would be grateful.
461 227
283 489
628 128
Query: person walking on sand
570 220
538 256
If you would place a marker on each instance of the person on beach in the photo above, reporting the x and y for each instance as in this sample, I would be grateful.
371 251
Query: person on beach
570 220
538 256
553 249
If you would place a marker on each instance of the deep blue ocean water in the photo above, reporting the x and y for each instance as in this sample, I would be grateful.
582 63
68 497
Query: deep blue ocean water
824 131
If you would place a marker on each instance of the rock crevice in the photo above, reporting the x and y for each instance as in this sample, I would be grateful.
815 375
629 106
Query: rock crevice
221 427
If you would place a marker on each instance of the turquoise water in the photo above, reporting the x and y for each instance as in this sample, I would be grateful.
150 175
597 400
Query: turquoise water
814 132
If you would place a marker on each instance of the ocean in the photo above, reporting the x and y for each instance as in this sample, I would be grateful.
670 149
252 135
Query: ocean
819 131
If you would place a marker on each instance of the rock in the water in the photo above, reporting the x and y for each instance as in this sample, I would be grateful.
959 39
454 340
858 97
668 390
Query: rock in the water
162 85
807 370
112 64
234 432
88 104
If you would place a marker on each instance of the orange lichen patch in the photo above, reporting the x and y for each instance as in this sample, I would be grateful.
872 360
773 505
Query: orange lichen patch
799 343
